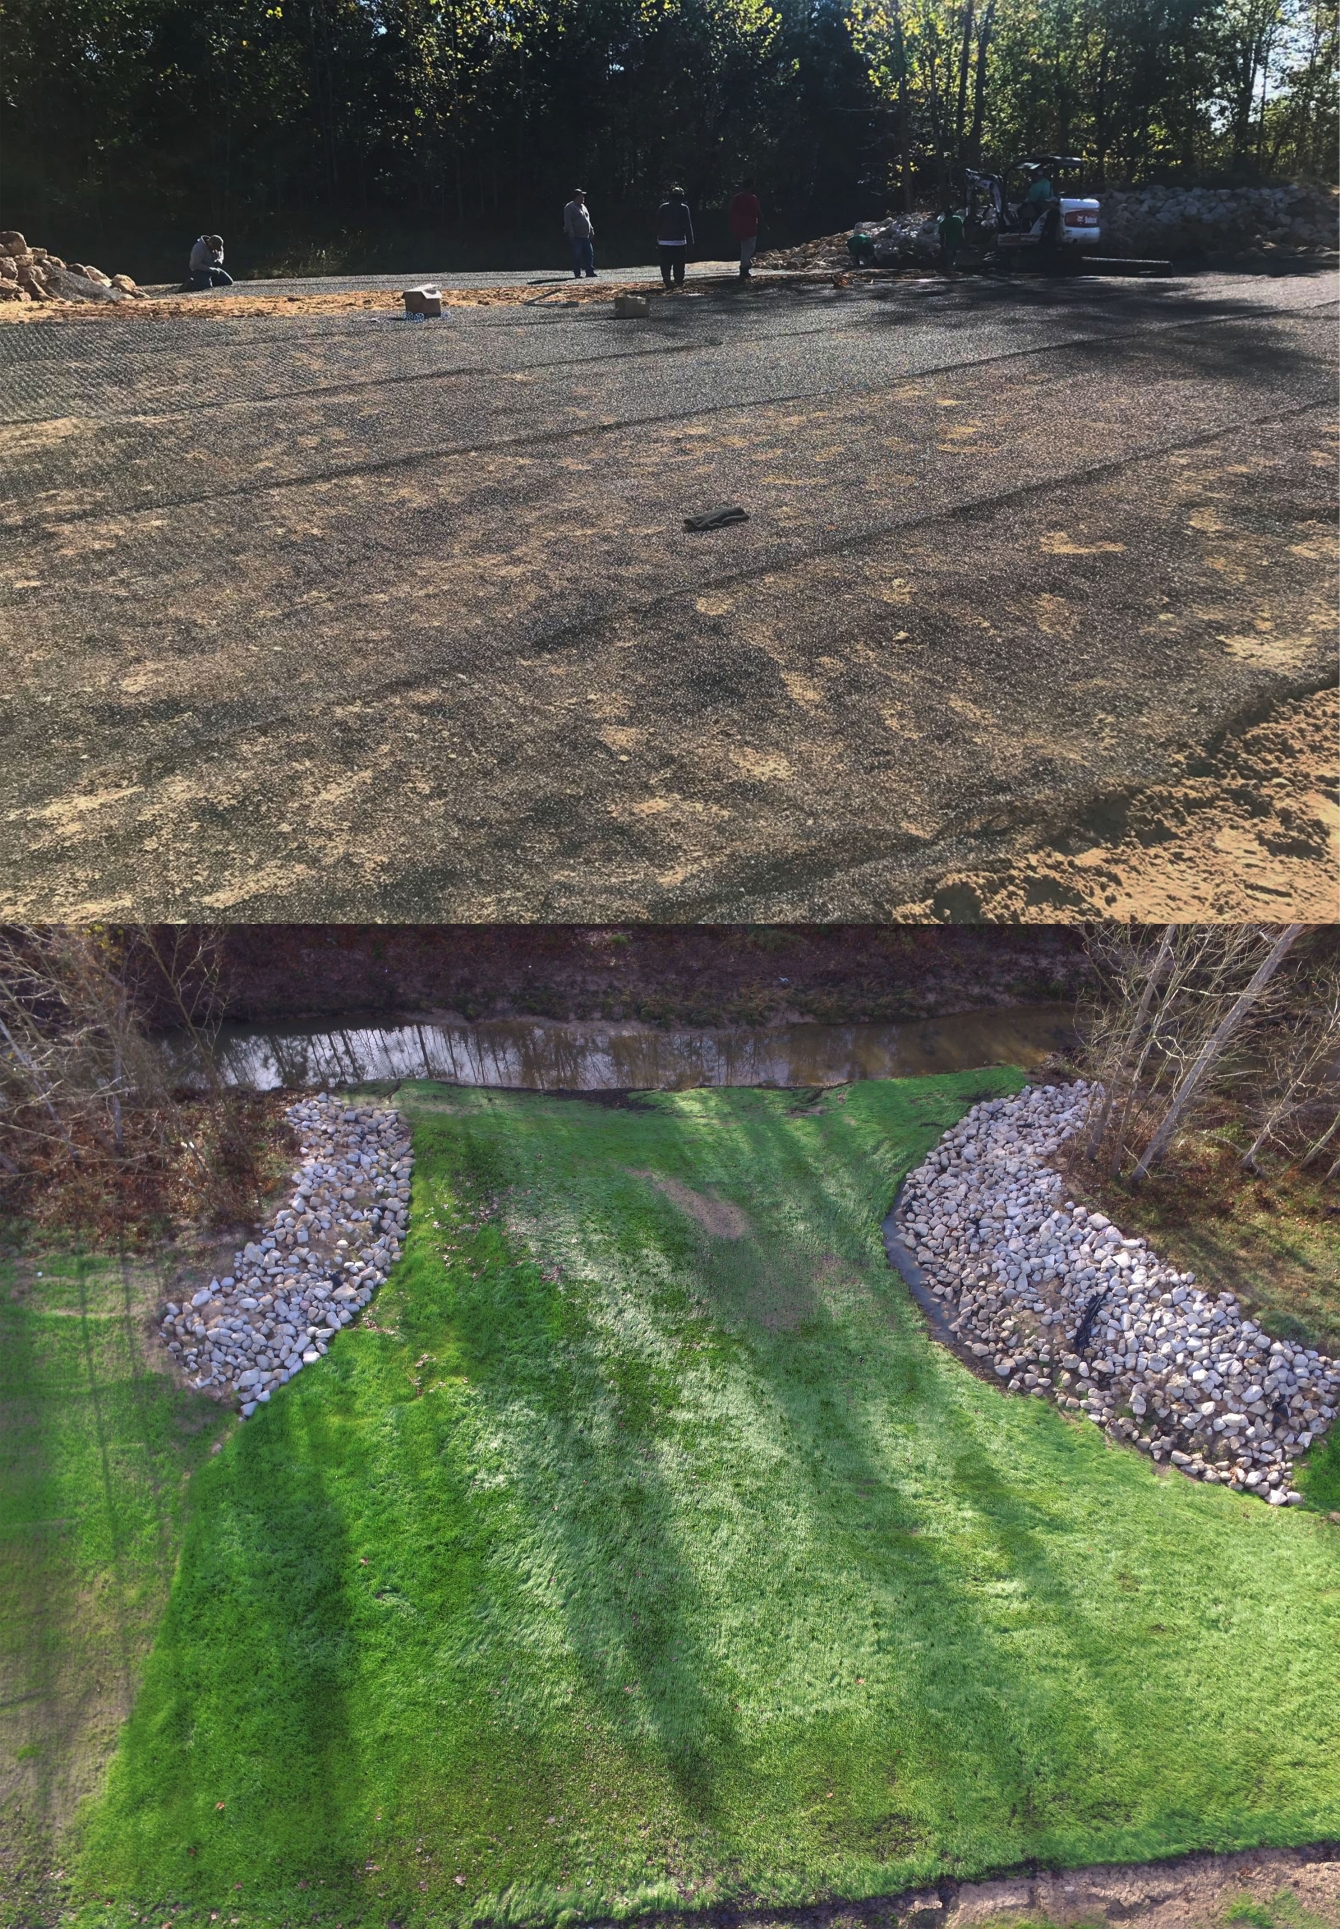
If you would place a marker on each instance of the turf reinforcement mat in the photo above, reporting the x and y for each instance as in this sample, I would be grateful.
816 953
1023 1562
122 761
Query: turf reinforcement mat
1002 557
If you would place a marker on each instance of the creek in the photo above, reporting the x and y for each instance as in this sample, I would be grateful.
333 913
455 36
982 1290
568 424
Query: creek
538 1054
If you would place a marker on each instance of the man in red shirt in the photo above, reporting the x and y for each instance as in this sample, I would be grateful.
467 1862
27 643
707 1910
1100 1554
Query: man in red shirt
745 214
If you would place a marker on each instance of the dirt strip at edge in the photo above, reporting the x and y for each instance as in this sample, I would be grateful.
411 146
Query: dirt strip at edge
1198 1891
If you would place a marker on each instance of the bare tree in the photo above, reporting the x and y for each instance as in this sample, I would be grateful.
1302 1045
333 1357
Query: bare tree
1242 1008
1131 1047
1174 1015
1298 1115
73 1049
85 1072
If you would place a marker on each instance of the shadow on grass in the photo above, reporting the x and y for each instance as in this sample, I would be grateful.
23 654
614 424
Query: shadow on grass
1015 1733
630 1603
224 1769
93 1440
691 1541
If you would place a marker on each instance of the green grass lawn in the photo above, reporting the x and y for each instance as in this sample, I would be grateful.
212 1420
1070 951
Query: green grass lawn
94 1451
641 1550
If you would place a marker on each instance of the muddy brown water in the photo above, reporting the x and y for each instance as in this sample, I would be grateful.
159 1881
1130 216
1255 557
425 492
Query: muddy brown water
541 1055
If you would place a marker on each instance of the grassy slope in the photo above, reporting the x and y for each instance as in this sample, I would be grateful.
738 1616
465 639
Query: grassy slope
628 1562
93 1449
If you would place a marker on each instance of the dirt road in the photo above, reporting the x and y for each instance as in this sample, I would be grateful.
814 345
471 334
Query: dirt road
1272 1888
329 616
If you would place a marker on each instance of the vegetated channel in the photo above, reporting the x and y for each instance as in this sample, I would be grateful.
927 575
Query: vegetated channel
540 1055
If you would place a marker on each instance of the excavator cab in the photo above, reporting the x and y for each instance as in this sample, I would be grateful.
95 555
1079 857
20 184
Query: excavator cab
1037 207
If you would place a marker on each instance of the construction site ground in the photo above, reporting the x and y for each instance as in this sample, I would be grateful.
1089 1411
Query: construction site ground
309 612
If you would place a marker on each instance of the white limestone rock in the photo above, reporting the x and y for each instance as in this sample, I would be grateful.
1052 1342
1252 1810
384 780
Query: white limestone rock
1055 1297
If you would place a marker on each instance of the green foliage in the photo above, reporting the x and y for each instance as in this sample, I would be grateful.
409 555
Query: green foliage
305 130
639 1550
457 114
1283 1911
1162 85
1319 1480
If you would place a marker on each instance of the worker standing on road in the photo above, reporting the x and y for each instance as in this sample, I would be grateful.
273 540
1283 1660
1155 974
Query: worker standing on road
674 236
580 230
206 267
951 237
745 215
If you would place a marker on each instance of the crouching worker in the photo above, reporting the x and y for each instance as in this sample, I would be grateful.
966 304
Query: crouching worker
206 269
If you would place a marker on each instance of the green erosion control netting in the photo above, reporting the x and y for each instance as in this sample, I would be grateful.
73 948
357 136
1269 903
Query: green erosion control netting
270 577
638 1547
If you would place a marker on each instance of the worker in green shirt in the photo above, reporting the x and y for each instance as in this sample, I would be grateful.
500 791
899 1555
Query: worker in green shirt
950 225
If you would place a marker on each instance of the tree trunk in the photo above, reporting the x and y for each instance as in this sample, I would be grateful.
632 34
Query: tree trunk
1213 1046
979 86
1266 52
1142 1012
1100 120
965 62
937 130
904 148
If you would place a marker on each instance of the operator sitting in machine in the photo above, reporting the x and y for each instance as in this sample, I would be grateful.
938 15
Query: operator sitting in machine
1035 201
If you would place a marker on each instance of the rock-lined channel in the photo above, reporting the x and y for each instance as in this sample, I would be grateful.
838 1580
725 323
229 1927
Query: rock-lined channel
1045 1293
1059 1305
313 1267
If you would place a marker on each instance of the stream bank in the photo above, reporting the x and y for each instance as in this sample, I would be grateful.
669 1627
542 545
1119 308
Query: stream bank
536 1054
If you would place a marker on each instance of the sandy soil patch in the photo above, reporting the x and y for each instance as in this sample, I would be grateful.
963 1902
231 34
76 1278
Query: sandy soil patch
717 1216
1254 831
235 307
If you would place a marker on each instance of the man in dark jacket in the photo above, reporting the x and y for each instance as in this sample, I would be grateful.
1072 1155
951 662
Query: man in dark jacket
674 236
581 234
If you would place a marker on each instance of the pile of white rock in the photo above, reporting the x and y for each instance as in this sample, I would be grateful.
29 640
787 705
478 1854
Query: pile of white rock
1164 221
35 274
1054 1300
313 1267
896 240
904 238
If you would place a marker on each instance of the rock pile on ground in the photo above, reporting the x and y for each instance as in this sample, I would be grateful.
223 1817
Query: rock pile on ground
1171 221
313 1268
898 241
828 252
1159 222
902 240
32 274
1058 1304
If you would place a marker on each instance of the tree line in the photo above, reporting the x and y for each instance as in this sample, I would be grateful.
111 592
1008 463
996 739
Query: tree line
478 116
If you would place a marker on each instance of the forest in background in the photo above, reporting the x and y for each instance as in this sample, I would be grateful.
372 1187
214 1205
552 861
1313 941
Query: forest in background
329 134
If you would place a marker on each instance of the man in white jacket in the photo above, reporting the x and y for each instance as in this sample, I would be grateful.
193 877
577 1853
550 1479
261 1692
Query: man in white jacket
580 231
